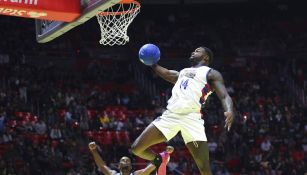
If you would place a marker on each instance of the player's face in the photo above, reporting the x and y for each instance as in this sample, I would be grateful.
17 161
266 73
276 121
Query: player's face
169 149
197 55
125 165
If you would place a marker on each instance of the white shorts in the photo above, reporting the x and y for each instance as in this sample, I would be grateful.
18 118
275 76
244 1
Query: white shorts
191 126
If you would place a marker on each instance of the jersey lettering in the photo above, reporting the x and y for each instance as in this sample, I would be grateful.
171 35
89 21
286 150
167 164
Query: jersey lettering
184 84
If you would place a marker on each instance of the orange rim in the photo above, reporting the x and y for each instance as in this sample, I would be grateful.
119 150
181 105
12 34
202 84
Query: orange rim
126 1
136 3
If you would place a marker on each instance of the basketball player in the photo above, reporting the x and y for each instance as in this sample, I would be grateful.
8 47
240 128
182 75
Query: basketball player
125 166
191 88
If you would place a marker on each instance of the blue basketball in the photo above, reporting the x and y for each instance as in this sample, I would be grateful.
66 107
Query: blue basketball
149 54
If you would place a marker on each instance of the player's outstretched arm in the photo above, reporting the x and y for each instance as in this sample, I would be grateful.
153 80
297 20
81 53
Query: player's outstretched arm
217 83
168 75
146 171
98 160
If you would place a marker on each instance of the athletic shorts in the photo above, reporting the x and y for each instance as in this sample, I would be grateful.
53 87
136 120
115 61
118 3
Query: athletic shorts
191 126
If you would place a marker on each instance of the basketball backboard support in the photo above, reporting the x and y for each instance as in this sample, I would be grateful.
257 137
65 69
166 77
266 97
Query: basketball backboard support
48 30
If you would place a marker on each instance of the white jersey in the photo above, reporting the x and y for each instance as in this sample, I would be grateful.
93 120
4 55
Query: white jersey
190 91
113 172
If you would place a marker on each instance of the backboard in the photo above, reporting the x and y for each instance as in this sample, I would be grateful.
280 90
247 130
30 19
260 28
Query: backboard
48 30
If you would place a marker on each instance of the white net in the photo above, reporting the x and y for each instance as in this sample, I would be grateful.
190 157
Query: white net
114 23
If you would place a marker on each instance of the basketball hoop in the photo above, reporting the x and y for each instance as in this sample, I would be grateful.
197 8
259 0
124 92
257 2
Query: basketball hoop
114 22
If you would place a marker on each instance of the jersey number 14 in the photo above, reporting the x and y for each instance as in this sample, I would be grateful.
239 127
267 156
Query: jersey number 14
184 83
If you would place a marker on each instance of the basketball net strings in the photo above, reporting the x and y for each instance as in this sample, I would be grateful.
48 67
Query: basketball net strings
114 27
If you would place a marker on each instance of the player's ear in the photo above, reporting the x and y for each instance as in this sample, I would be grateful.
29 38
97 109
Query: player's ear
206 58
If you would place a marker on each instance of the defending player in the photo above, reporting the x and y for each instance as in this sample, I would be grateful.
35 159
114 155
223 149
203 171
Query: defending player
125 166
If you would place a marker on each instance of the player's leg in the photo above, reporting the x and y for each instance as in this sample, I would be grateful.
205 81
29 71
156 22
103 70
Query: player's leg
193 133
160 130
200 153
150 136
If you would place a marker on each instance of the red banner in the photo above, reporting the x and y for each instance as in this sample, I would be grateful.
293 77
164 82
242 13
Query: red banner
57 10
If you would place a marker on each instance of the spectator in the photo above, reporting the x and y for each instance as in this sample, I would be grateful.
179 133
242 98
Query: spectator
266 145
40 127
6 138
104 120
55 133
212 146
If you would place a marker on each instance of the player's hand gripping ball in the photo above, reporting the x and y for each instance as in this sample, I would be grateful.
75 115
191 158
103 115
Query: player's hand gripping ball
149 54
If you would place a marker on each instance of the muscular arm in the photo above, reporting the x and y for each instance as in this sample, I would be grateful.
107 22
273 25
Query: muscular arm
146 171
168 75
217 84
98 160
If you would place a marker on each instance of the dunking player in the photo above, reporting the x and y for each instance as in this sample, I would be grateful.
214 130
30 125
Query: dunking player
125 166
192 87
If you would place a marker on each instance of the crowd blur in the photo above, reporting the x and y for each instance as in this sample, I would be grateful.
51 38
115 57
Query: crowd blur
49 111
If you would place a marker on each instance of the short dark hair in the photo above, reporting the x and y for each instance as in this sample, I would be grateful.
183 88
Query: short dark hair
209 53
